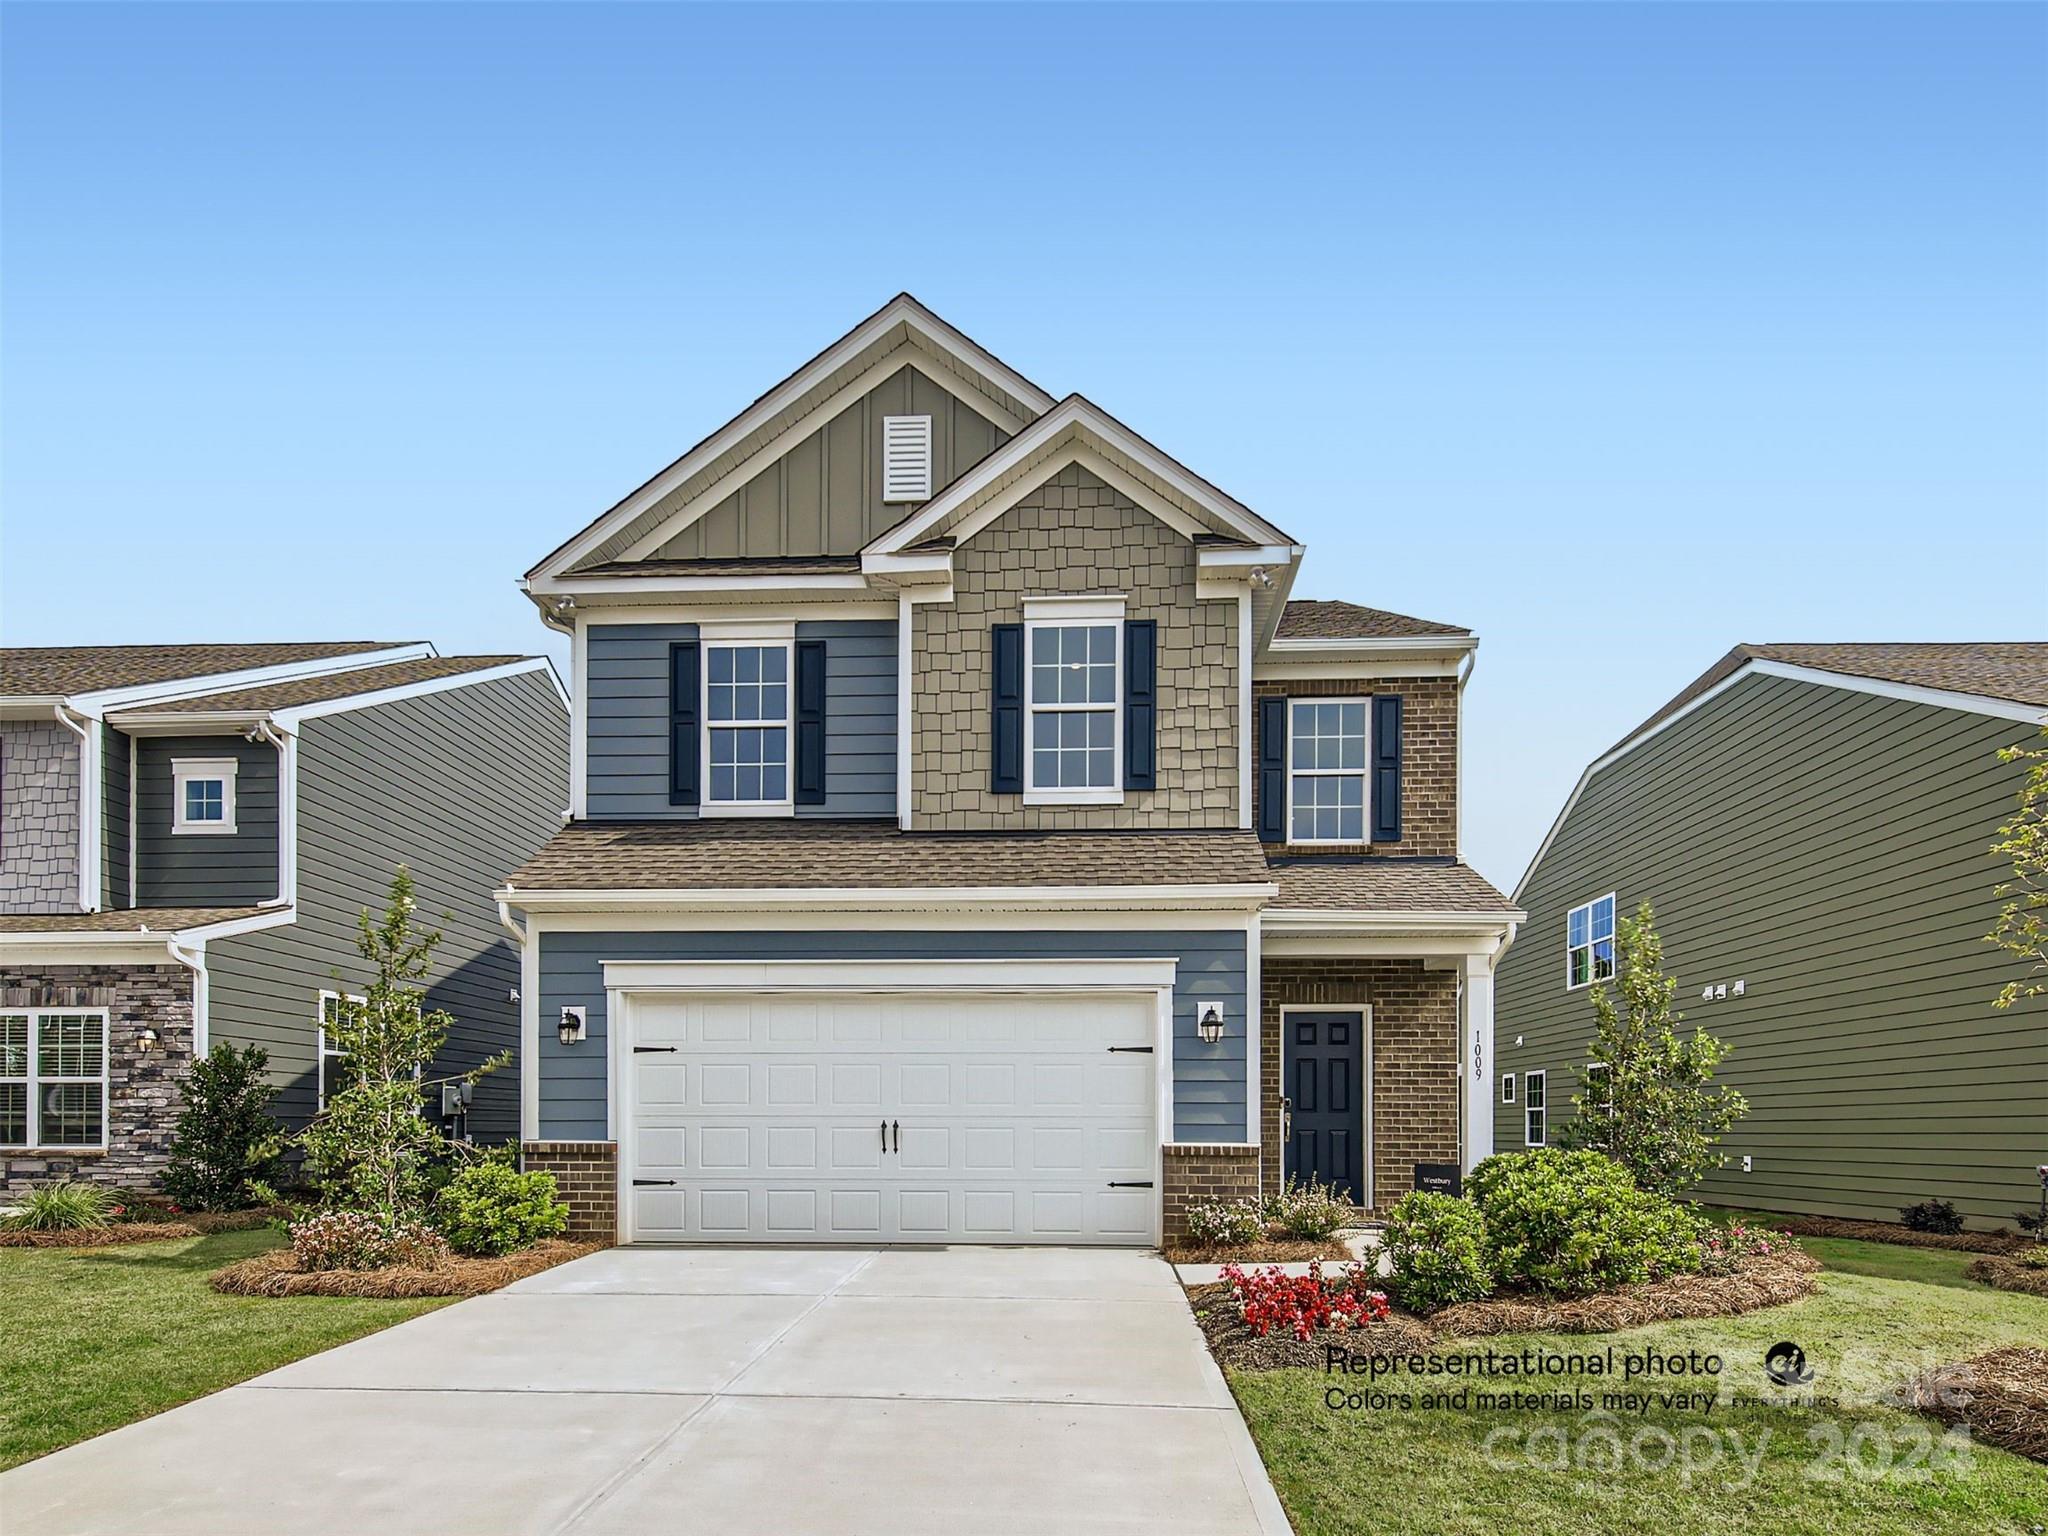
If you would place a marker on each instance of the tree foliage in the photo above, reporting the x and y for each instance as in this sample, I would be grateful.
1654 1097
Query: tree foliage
1653 1106
2022 925
370 1149
225 1150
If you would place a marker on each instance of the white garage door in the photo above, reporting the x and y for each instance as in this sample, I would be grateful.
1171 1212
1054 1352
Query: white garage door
892 1118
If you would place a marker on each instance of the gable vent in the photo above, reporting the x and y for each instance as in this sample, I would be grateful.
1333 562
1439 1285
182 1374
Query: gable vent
906 458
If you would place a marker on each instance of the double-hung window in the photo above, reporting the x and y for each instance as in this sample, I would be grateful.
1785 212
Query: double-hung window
203 794
1073 699
53 1078
333 1058
746 727
1535 1108
1326 771
1589 942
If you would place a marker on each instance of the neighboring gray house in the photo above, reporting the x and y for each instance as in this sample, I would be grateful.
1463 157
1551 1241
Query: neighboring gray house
972 842
1811 824
187 834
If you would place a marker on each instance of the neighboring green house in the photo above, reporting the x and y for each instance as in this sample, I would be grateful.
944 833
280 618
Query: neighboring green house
1812 825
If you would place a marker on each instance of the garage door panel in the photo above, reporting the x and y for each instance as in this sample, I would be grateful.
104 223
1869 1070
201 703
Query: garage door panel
1009 1118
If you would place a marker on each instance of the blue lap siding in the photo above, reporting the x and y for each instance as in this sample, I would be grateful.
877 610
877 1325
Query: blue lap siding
1208 1081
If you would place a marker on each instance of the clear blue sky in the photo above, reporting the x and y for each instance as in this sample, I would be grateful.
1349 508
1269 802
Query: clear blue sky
1619 333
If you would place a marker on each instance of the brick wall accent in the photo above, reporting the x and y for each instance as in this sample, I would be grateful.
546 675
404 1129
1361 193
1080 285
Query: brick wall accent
39 812
143 1101
1414 1058
1429 757
1073 536
1204 1171
587 1178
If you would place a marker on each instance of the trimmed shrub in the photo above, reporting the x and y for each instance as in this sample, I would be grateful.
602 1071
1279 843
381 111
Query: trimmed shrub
1437 1247
1932 1216
358 1240
224 1152
1310 1211
490 1208
1571 1223
1225 1223
61 1207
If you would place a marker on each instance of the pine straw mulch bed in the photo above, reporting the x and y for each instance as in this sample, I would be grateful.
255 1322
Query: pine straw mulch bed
1267 1250
277 1273
1236 1346
1785 1275
1892 1232
2008 1275
197 1224
2001 1398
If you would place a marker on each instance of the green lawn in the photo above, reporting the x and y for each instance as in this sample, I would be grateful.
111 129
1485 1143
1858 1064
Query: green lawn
93 1338
1429 1470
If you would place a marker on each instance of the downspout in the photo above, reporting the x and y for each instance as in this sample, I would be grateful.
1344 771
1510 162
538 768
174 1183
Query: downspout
287 744
529 1024
86 729
193 958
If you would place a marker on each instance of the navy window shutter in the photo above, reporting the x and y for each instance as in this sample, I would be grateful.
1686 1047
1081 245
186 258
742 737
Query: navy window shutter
810 722
1272 770
1006 698
683 744
1386 768
1141 704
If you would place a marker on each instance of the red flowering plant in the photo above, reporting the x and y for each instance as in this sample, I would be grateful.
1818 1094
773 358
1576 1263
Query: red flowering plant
1304 1304
1722 1250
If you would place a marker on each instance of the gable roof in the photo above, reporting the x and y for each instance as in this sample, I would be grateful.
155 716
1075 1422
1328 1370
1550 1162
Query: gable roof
63 670
1318 619
1138 468
290 693
901 323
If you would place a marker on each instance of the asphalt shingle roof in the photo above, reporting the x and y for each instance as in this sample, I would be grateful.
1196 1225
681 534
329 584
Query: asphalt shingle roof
333 685
126 920
1314 619
1340 884
60 670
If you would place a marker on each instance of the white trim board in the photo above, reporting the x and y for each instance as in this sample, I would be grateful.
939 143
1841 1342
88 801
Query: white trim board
880 898
1969 703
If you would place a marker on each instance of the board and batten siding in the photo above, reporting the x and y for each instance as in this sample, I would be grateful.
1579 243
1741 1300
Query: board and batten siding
205 869
114 827
627 714
1829 849
461 786
1208 1081
824 496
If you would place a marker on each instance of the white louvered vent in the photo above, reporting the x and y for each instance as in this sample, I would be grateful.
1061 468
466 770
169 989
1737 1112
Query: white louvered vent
906 458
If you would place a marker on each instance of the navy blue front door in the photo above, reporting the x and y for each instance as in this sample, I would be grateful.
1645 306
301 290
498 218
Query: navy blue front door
1323 1056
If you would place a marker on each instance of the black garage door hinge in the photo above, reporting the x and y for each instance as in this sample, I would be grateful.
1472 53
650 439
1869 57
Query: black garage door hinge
1130 1183
638 1182
1133 1050
643 1050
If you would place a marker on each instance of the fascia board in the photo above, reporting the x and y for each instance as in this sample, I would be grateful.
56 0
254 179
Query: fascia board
861 899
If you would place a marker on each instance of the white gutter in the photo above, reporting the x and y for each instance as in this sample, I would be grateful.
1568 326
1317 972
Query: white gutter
1060 898
90 790
511 926
287 744
193 958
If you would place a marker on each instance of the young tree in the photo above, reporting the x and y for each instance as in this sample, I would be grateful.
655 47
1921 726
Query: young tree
1652 1107
2023 921
370 1148
224 1151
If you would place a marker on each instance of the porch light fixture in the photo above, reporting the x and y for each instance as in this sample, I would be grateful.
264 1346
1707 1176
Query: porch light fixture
1210 1025
147 1040
573 1027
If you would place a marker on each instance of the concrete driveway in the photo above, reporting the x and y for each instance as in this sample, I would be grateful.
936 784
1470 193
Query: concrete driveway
713 1390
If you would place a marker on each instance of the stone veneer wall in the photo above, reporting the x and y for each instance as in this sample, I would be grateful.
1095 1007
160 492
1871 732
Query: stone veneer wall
587 1178
143 1100
1414 1058
1071 537
1204 1171
38 817
1429 758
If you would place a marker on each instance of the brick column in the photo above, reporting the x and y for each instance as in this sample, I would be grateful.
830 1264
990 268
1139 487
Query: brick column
587 1177
1211 1171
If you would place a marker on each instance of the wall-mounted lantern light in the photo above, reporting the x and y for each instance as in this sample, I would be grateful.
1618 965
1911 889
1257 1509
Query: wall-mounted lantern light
147 1040
575 1024
1210 1024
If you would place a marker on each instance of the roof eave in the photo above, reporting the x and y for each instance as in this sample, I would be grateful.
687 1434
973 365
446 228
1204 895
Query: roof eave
1246 897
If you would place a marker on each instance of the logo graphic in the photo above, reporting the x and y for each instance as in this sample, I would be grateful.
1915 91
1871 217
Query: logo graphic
1785 1364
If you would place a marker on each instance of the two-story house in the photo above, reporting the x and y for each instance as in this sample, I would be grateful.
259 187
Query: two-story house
1811 824
973 842
187 836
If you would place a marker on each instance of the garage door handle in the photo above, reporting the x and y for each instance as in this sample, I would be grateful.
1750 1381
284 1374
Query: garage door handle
1130 1183
885 1135
1131 1050
648 1050
897 1127
638 1182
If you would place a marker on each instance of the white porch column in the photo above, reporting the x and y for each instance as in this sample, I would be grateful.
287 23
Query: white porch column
1475 1098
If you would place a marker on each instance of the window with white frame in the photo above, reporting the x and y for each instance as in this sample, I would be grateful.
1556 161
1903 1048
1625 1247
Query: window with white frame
53 1078
1535 1105
203 794
1507 1087
746 725
1326 771
1593 1070
1589 942
1073 688
332 1057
